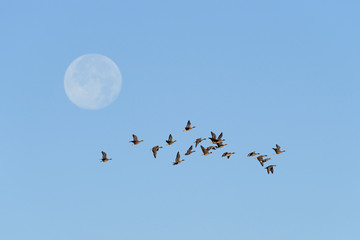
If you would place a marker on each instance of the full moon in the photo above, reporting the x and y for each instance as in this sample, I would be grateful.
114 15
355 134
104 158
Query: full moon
92 81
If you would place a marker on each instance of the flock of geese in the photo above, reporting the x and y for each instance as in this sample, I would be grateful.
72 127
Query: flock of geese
216 140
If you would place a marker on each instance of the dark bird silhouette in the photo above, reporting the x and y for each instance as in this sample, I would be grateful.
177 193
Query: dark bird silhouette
261 161
155 150
205 151
135 140
253 154
199 140
270 168
215 139
261 157
188 126
211 147
104 157
170 140
227 154
277 150
220 145
177 159
189 151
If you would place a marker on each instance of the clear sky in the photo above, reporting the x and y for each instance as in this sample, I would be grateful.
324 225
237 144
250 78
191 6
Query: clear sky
263 72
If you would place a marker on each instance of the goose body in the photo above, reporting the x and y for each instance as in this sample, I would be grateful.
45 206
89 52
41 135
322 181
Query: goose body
155 150
189 151
170 140
270 168
177 159
278 150
227 154
199 140
135 140
188 126
253 154
205 151
104 157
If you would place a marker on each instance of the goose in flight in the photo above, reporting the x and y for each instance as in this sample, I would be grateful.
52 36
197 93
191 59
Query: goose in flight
215 139
177 159
135 140
205 151
188 126
155 150
211 147
170 140
227 154
277 150
199 140
261 161
261 157
104 157
189 151
220 145
270 168
253 154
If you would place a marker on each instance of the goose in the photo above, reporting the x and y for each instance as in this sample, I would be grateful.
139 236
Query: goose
136 141
170 141
220 145
277 150
253 154
227 154
155 150
205 151
104 157
177 159
215 139
189 151
270 168
188 126
261 161
211 148
199 140
261 157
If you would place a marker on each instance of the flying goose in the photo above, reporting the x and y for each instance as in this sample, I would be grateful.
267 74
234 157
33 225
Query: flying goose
104 157
261 157
155 150
261 161
270 168
136 141
253 154
227 154
277 150
215 139
211 147
177 159
189 151
220 145
199 140
205 151
188 126
170 141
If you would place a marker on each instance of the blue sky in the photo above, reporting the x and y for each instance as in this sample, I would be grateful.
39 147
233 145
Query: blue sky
263 72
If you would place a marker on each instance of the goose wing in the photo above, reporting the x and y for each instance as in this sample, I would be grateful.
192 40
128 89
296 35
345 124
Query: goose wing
220 136
277 147
135 138
170 138
204 149
213 135
103 154
177 157
154 150
188 125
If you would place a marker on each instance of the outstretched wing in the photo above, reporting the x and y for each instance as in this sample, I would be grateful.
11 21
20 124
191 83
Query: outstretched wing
203 149
278 147
154 150
190 148
103 154
213 135
135 138
177 157
251 154
170 138
188 125
220 136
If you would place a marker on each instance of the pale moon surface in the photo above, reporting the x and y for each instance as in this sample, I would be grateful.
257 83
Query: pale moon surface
92 81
